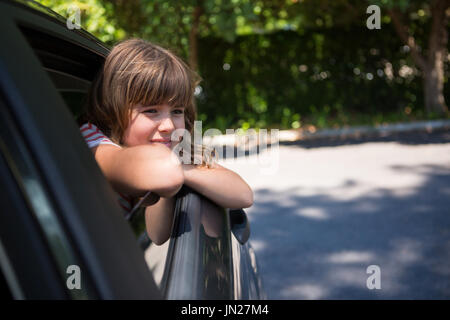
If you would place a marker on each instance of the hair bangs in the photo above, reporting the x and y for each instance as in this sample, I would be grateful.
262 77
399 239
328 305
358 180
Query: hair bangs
170 84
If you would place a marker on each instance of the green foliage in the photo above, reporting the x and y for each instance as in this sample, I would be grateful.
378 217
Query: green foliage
169 22
325 77
281 63
96 17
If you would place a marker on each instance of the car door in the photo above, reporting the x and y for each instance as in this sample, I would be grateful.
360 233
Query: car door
209 254
44 89
59 210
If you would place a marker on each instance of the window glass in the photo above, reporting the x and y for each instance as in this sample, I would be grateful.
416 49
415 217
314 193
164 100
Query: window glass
29 180
71 69
155 255
5 269
73 90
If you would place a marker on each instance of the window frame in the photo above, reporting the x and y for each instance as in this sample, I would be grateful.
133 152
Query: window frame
112 257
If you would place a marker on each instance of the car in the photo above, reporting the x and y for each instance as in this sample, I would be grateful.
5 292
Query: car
62 233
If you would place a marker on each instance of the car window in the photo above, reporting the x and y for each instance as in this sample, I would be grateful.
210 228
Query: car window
70 67
201 250
155 255
72 72
35 194
5 290
72 89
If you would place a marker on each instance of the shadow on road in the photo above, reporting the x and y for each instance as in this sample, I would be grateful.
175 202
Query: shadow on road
319 247
409 138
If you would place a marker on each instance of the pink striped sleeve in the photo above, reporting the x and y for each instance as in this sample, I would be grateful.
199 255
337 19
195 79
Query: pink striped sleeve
94 137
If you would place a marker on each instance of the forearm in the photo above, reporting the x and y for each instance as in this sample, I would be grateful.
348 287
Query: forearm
139 169
223 186
158 220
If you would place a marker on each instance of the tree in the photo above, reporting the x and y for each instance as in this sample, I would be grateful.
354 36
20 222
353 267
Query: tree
178 24
422 26
410 18
96 16
431 62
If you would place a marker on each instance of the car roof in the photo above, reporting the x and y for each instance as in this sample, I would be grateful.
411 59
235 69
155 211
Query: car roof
51 15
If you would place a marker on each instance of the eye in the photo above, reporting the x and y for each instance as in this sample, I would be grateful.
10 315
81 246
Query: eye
178 111
150 111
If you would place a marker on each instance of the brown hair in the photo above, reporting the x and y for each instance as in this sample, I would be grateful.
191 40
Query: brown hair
139 72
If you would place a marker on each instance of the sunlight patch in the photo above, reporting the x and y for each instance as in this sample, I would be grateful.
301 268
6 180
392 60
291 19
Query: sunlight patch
312 213
345 257
258 245
305 291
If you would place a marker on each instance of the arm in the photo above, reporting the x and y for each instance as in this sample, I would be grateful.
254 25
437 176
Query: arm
219 184
158 220
223 186
136 170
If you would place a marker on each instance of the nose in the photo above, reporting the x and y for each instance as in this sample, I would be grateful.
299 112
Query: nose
166 125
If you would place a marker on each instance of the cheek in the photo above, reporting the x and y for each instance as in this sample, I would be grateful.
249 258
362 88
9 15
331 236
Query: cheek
131 138
179 123
145 130
139 132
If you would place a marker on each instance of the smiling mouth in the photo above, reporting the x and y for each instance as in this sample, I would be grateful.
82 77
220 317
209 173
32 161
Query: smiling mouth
166 143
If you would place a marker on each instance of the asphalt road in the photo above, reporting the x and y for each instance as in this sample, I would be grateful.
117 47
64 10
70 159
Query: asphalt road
331 208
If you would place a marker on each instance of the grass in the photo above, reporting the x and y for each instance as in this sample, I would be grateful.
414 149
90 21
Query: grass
326 120
345 120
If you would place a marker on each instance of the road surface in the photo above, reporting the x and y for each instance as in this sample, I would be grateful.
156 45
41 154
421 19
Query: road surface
333 208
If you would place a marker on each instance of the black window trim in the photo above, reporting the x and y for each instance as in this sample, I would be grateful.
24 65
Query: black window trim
21 163
11 279
31 107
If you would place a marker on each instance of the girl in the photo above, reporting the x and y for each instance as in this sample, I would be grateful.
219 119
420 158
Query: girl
142 94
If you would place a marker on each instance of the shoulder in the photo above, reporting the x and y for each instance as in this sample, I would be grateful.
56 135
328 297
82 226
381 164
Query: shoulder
94 137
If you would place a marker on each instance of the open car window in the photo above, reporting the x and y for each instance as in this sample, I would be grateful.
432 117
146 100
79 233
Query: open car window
35 196
72 69
195 263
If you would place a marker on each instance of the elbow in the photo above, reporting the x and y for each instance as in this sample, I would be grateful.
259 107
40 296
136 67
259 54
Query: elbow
159 240
245 200
174 185
157 236
173 182
167 172
248 199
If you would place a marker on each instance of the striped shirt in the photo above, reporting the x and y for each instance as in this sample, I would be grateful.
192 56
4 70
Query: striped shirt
94 137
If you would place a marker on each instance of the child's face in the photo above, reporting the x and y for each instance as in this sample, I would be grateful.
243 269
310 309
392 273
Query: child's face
153 124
